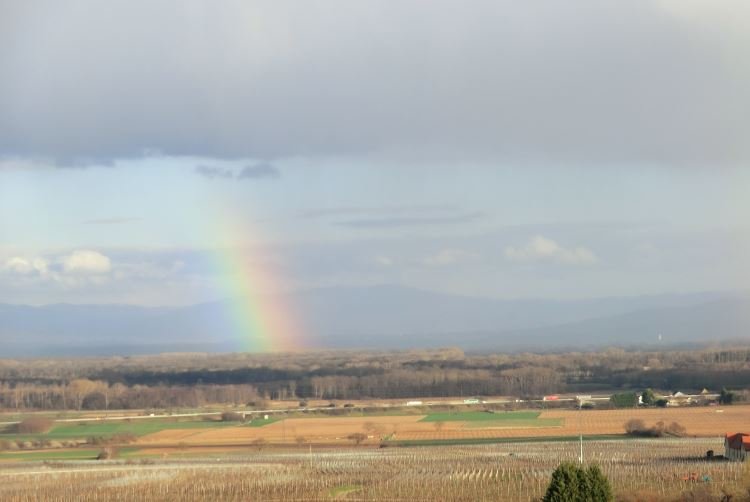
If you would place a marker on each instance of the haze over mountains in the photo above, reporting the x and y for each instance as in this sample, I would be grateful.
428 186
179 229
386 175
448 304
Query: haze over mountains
383 317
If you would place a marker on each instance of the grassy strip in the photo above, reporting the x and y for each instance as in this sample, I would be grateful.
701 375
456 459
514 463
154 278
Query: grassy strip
260 422
50 455
138 428
479 416
535 439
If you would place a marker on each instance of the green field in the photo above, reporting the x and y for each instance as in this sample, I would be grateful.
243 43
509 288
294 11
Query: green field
259 422
135 427
482 416
39 455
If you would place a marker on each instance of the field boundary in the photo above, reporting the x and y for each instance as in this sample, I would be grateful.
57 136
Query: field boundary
403 443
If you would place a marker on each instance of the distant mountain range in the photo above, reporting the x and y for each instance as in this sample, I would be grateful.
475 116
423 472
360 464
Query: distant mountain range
383 317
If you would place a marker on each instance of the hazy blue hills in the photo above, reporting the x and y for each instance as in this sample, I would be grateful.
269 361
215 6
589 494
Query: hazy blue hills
382 317
721 320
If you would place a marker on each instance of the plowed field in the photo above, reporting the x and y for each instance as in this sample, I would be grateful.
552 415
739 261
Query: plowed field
700 422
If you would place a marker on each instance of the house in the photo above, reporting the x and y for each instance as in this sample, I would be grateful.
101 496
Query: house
679 399
737 446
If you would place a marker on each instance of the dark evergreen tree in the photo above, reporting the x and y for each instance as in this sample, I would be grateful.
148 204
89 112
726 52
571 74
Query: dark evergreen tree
598 487
572 483
564 484
584 485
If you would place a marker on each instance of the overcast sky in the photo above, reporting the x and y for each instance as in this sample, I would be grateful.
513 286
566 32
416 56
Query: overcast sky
504 149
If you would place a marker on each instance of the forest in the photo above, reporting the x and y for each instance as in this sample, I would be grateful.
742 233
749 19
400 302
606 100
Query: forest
242 379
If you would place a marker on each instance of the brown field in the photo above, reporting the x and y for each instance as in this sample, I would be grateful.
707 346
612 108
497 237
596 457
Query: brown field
704 421
328 430
698 421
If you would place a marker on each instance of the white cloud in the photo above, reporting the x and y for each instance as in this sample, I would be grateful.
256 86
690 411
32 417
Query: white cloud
86 262
540 248
103 276
449 257
66 269
20 265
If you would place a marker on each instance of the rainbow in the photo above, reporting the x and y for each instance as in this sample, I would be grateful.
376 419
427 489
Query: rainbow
257 314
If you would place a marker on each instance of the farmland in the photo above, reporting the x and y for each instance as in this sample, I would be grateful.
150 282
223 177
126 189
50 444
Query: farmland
478 416
454 426
457 454
700 422
503 420
660 469
87 429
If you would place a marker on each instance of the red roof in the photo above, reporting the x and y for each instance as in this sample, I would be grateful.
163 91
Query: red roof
738 441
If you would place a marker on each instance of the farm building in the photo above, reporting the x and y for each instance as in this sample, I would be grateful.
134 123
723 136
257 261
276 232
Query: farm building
737 446
679 399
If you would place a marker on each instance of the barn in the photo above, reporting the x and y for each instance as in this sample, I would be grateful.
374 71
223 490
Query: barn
737 446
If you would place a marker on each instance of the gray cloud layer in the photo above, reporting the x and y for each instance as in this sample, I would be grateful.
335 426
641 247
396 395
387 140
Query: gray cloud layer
566 82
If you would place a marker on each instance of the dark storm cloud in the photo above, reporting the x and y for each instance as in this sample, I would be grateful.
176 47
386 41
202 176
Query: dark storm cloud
553 82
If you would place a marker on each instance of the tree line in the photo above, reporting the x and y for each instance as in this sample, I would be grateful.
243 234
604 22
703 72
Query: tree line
193 380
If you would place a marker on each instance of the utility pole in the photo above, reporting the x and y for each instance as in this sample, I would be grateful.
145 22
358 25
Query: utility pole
580 430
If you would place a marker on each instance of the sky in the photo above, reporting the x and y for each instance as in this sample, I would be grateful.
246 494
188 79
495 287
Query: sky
501 149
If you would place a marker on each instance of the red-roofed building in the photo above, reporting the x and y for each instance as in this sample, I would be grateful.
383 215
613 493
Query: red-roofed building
737 446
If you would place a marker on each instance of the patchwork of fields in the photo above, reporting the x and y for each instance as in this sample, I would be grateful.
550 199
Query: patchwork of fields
317 457
152 437
699 422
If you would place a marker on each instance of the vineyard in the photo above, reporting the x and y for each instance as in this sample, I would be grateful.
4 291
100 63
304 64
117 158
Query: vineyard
664 469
